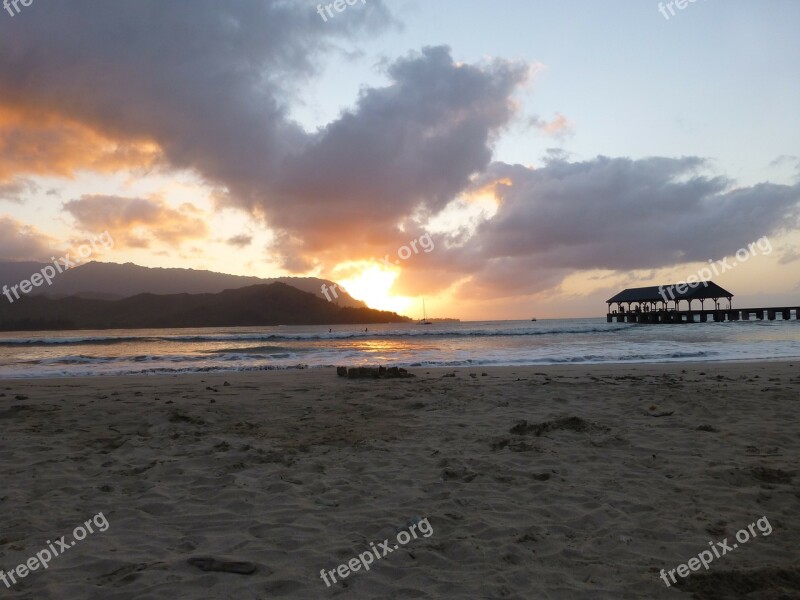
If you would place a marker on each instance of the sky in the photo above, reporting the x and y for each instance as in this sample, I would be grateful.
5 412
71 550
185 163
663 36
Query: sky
501 160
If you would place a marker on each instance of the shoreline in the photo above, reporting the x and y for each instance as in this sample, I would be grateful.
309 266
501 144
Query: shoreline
414 369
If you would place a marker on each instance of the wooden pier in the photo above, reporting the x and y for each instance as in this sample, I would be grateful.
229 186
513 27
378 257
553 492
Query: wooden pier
704 316
664 304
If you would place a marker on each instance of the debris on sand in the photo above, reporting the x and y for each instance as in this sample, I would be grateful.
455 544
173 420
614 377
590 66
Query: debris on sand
372 372
568 423
223 566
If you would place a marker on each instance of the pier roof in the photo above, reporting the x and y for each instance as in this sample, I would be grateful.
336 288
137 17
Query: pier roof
655 293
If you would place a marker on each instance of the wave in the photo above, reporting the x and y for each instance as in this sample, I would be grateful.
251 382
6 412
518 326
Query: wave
577 359
150 371
101 366
254 350
397 334
312 336
76 341
81 359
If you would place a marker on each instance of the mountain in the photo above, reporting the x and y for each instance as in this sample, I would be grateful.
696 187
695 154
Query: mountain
109 281
258 305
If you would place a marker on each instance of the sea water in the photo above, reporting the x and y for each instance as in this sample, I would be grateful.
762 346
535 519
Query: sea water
465 344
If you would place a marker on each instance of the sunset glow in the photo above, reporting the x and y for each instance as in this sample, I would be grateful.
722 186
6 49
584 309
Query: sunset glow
373 286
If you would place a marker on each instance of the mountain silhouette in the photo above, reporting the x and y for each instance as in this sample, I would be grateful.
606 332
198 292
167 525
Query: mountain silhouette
257 305
111 281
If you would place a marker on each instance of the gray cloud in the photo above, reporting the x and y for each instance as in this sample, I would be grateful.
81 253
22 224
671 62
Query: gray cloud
608 213
19 241
409 146
615 213
784 159
558 127
208 81
240 241
15 189
789 255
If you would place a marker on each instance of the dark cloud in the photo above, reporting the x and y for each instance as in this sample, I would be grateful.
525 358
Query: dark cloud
209 83
410 146
609 214
616 214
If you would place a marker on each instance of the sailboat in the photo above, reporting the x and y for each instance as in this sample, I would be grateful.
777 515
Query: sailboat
424 315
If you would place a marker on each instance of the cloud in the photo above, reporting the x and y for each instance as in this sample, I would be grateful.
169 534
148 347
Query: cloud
15 189
405 148
19 241
615 214
789 255
559 127
785 159
207 82
240 241
45 143
786 162
137 222
609 214
220 108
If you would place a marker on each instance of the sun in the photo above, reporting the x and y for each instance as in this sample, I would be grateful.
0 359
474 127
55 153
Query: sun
373 285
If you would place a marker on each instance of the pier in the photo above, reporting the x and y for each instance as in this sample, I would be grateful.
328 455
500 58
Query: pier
662 304
704 316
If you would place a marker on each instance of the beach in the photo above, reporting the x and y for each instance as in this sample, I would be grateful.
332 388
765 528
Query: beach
536 482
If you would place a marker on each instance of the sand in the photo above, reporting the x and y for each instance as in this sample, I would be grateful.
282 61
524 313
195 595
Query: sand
557 482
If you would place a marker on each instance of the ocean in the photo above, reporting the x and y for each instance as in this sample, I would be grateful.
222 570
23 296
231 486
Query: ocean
465 344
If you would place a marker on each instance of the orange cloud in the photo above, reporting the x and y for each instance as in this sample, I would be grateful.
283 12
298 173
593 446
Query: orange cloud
36 142
137 222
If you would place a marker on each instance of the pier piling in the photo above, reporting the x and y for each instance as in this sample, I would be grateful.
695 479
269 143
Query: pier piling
702 316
